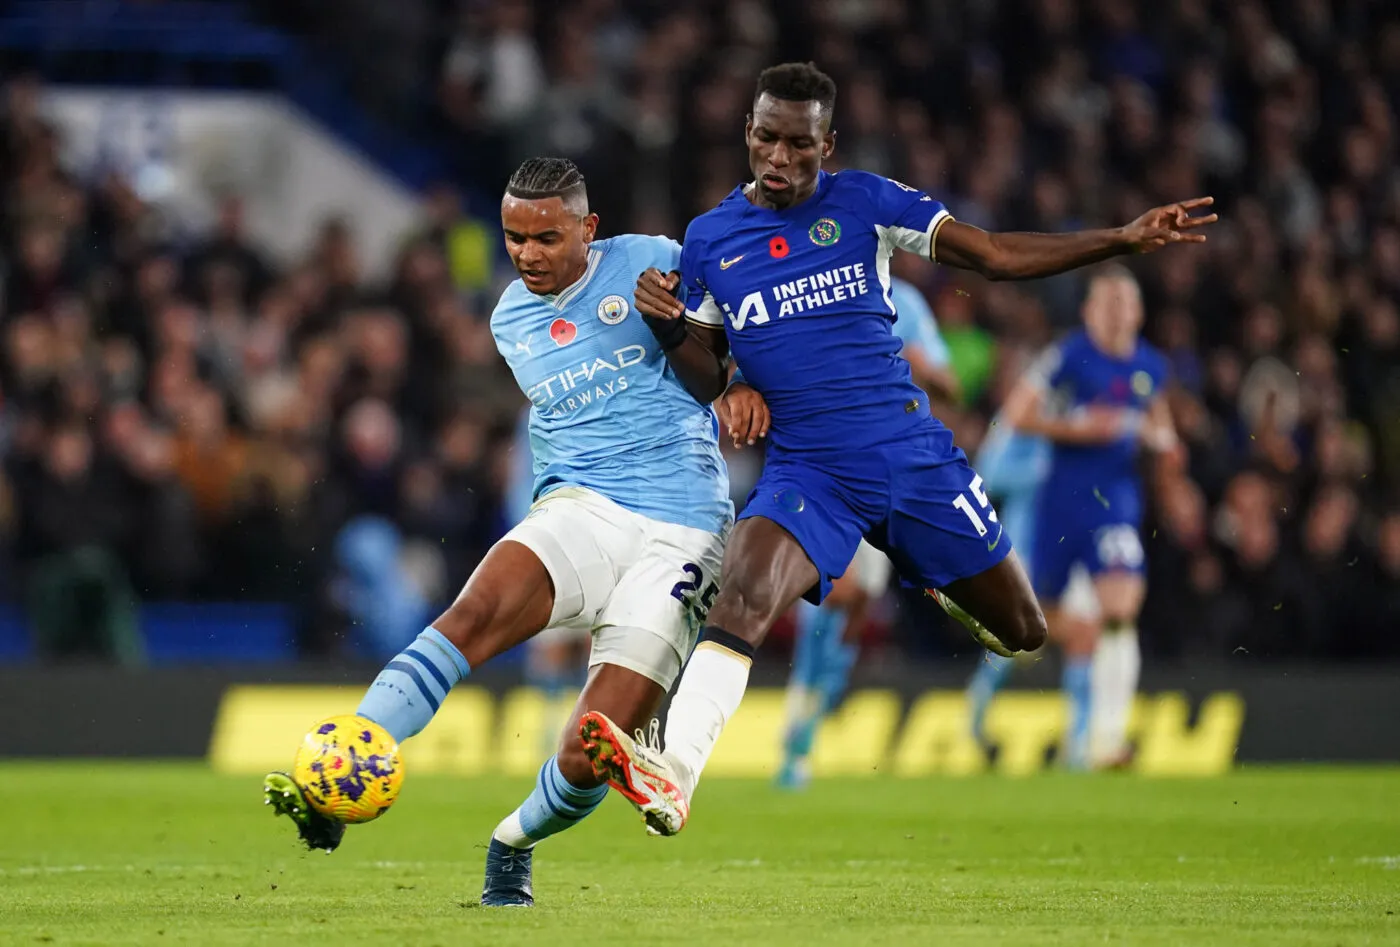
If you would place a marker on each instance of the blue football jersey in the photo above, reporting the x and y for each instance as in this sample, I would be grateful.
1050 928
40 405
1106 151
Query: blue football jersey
804 295
1076 375
915 323
607 411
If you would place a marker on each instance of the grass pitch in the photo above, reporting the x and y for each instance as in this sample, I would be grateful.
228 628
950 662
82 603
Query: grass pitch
105 853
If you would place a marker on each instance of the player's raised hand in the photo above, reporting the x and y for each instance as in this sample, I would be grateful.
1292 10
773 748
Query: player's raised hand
1173 223
744 413
656 294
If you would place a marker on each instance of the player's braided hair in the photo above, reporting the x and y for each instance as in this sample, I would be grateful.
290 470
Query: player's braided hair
539 178
798 82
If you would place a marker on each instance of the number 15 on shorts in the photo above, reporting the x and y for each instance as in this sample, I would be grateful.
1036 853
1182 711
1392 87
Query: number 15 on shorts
973 516
685 590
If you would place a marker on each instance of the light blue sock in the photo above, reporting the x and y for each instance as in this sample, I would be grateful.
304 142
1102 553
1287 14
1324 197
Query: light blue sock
554 805
817 627
838 659
406 694
992 672
1075 681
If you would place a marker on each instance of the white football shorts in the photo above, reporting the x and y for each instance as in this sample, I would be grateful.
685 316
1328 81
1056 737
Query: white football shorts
1081 599
871 569
639 586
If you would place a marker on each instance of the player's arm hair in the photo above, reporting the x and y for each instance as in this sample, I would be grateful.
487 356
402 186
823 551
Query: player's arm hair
938 380
701 361
1017 256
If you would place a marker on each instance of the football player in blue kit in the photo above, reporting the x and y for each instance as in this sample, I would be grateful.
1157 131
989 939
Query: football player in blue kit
791 273
1098 397
623 538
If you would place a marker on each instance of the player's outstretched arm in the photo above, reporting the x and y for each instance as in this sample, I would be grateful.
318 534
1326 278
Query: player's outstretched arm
1015 256
699 354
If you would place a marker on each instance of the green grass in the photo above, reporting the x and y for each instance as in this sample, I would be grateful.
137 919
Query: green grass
162 854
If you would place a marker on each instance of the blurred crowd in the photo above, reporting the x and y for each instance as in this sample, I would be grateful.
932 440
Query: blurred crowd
190 420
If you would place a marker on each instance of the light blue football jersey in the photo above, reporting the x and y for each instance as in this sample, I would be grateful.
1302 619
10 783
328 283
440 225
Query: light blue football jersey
1013 466
915 323
607 411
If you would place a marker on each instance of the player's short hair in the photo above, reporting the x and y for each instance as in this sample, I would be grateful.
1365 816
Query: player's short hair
798 82
540 178
1114 271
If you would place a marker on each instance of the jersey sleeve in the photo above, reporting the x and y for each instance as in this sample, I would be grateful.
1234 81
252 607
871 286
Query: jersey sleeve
1046 371
700 306
905 217
915 324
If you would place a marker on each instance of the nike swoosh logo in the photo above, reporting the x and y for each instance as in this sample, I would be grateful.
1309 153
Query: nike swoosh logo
991 546
726 264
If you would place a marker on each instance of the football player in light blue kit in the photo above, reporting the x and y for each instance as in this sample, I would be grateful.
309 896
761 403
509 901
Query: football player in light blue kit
827 643
631 509
791 273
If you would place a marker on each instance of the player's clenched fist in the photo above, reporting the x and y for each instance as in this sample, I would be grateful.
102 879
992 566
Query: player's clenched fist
744 413
655 294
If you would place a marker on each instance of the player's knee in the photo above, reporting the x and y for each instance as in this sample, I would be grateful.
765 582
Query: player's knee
1028 629
746 609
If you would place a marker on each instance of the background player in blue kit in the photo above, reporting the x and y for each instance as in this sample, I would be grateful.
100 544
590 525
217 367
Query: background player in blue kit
630 511
1015 464
791 273
828 644
1098 396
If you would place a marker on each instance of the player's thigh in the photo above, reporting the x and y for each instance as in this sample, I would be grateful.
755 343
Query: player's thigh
944 533
1117 562
798 533
586 543
507 599
630 699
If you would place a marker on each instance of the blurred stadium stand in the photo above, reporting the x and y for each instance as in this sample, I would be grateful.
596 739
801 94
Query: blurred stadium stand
194 410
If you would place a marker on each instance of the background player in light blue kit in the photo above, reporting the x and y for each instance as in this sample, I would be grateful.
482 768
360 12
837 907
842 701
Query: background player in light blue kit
1098 396
791 273
827 644
610 544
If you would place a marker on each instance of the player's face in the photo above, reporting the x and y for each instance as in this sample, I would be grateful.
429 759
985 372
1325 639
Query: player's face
1113 313
547 243
787 143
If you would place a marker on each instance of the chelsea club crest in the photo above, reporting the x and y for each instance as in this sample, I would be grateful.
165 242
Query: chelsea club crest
612 310
825 232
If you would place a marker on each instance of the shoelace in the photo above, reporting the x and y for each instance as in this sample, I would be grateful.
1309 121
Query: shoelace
650 738
512 862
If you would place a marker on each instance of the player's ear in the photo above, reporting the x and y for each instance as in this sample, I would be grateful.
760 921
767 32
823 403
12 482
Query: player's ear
828 145
590 227
748 128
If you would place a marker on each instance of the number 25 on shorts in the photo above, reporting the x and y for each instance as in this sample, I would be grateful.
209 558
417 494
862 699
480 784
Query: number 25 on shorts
684 592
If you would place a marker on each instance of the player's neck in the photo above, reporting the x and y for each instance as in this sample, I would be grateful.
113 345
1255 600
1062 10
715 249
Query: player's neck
1115 348
571 278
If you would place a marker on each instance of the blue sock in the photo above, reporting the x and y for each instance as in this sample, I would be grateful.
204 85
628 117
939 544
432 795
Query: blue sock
406 694
1074 680
991 674
554 805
